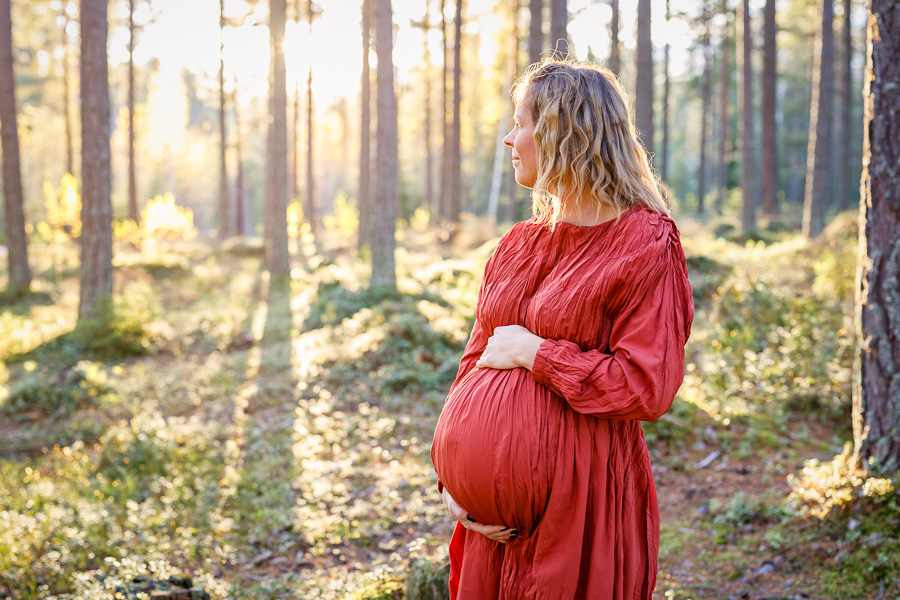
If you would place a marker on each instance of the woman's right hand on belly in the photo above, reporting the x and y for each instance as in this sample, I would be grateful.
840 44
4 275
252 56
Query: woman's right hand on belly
498 533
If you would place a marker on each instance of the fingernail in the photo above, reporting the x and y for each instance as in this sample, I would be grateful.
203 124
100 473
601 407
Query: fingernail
469 517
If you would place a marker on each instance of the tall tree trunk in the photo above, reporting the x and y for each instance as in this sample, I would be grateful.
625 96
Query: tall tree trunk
748 143
644 94
512 208
769 197
310 209
240 191
429 152
535 31
95 300
446 133
133 212
820 115
842 171
559 21
365 128
664 171
67 113
456 154
876 390
724 78
385 205
294 176
614 60
706 91
279 264
17 241
225 219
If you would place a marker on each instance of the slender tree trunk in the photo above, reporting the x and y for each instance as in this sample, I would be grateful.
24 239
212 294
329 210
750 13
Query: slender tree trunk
535 32
240 197
225 228
95 300
748 143
310 209
820 115
429 151
644 95
446 135
384 208
724 78
706 91
841 187
497 169
133 212
365 128
279 265
664 172
769 146
17 241
876 391
559 21
456 155
614 60
294 177
512 208
67 113
268 210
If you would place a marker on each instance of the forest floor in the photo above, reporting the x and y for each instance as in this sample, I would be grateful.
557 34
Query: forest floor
273 441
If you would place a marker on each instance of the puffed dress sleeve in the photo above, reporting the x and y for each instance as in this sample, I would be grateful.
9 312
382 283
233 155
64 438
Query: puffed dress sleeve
640 375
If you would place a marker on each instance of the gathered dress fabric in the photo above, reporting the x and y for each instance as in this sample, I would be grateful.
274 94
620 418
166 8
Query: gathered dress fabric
558 452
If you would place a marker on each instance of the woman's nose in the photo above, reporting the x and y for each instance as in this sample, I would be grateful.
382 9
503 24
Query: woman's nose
507 141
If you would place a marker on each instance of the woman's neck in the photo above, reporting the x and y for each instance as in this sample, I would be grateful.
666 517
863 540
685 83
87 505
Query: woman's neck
584 212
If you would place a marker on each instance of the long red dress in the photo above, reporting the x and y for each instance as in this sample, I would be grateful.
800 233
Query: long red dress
558 452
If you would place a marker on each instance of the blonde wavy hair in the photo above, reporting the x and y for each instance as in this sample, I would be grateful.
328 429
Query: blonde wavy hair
585 140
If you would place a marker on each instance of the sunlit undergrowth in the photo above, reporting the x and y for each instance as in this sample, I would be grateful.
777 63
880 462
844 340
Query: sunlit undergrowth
275 443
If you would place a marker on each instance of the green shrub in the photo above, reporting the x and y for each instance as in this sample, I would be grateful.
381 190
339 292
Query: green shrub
39 393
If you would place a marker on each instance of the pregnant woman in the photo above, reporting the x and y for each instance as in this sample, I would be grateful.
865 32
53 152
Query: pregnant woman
582 317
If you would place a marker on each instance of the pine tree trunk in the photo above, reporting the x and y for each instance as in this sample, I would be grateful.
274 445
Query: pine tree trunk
842 168
95 300
16 240
240 197
310 210
614 59
664 169
876 392
706 91
133 212
225 228
446 134
748 141
535 32
643 103
385 201
456 154
279 265
559 21
364 199
724 77
67 113
820 114
769 146
426 74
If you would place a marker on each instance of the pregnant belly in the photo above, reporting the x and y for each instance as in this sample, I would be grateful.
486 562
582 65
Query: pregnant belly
495 446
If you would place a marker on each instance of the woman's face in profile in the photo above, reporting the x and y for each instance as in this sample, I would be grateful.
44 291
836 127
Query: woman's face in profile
521 140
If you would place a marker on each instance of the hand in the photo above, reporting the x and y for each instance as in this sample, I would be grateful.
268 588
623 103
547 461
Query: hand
498 533
510 347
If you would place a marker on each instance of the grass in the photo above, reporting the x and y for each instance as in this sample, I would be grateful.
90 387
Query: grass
274 442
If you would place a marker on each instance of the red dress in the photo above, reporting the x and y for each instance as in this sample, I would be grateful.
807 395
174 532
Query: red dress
558 452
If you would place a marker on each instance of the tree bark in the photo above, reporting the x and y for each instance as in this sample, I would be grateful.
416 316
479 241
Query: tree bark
240 197
724 78
644 95
279 264
95 301
842 171
133 212
820 114
706 91
769 146
456 154
17 241
559 21
426 75
664 169
67 113
385 201
876 391
225 228
614 60
748 139
535 32
365 127
310 209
